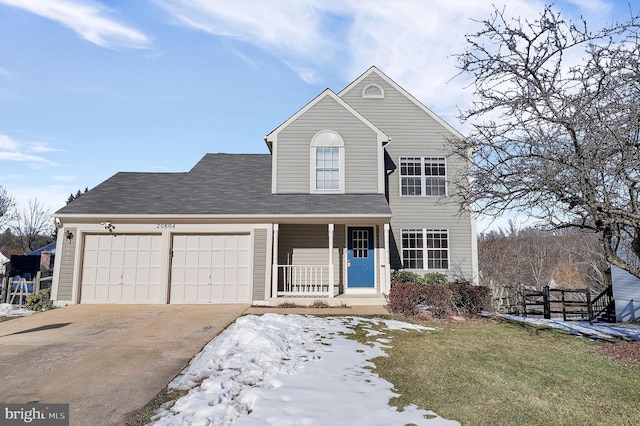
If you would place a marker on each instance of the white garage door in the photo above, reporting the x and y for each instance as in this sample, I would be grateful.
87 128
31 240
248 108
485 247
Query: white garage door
121 269
210 269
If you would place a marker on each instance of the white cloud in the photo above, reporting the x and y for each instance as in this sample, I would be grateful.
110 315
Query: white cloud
41 147
33 160
593 5
20 151
287 25
6 143
296 31
87 18
412 43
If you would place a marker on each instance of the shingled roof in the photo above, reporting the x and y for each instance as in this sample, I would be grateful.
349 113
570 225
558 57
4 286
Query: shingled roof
219 184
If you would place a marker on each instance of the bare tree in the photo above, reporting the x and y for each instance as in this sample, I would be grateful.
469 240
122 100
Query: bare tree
32 225
7 204
556 125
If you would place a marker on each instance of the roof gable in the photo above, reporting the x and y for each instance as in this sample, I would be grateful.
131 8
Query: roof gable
376 71
271 137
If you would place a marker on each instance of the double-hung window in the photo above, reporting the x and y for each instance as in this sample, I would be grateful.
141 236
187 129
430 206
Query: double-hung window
327 168
426 249
327 163
423 176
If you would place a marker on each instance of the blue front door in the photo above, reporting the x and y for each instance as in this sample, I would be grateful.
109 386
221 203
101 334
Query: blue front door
360 258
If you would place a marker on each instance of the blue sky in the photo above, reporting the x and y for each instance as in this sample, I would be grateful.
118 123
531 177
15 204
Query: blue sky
89 88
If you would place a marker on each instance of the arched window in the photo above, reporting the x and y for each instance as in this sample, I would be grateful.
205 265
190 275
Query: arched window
373 91
327 162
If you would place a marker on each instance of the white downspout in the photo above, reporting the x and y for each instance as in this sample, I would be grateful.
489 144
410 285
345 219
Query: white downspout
387 260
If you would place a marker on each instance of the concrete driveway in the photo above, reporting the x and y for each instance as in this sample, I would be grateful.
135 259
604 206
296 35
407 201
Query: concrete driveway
106 361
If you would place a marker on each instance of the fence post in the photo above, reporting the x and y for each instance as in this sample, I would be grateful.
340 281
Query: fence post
564 307
589 307
36 283
5 290
545 301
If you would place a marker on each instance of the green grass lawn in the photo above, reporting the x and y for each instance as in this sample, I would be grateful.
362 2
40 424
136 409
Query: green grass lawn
494 372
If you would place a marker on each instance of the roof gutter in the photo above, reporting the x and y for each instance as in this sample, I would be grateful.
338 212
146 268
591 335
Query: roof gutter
238 218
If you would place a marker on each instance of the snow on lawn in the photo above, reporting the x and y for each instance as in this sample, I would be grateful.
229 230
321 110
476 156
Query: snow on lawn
583 328
9 310
292 370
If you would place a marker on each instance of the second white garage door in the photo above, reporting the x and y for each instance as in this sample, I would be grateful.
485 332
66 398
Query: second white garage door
210 269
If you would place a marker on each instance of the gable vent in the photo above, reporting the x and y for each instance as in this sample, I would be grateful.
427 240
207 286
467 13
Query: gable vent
373 91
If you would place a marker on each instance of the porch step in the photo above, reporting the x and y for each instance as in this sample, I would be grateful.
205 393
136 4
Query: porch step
341 300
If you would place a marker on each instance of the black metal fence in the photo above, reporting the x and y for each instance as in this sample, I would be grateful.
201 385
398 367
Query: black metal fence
569 304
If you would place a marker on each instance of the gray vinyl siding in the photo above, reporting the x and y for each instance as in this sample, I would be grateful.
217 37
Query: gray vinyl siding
360 149
626 293
67 266
259 263
308 245
416 134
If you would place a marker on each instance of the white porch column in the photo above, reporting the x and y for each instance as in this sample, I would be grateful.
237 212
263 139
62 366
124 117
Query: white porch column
274 274
331 260
387 261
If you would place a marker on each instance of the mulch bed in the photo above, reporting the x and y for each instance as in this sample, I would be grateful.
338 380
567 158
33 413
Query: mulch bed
624 352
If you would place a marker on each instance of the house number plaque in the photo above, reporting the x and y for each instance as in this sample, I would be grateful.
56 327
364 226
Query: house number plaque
165 225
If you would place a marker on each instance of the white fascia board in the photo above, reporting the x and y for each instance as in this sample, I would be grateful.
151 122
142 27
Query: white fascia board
399 88
253 218
311 103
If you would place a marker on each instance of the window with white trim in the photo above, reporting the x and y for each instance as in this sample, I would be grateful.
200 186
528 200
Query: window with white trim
327 162
426 249
425 176
327 168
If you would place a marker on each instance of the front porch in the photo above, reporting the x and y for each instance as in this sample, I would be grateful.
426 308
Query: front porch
332 264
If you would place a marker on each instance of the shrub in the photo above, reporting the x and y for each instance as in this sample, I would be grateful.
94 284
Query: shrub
460 281
472 299
40 301
403 276
404 299
439 300
434 278
430 278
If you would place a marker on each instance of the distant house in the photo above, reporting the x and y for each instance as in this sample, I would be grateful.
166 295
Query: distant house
46 254
354 185
49 248
5 258
28 264
626 293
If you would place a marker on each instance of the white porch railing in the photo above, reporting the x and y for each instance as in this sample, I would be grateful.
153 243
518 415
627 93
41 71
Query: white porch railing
304 280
